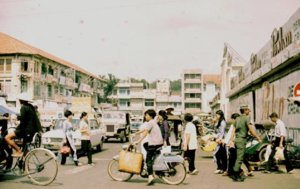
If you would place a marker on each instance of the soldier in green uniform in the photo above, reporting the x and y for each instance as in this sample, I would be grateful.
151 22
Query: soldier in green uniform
242 126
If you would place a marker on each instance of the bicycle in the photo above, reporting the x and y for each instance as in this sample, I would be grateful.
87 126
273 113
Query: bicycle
39 164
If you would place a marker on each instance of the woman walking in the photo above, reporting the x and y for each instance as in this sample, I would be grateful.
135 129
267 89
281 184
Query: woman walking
220 153
190 143
86 146
68 128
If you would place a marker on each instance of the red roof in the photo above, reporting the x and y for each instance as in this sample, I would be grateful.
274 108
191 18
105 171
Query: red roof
212 78
10 45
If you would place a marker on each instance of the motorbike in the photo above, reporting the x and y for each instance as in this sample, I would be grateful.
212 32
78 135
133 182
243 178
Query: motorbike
168 167
293 153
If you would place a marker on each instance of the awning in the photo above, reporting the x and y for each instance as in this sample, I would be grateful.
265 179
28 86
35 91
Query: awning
4 109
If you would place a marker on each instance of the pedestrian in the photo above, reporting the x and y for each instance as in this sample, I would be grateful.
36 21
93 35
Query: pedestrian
12 123
29 124
68 128
86 146
190 143
164 126
242 126
279 141
155 141
220 152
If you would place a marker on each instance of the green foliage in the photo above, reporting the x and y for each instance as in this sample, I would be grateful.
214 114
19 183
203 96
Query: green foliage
110 87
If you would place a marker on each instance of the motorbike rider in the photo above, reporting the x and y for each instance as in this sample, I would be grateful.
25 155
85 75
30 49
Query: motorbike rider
279 141
242 126
29 124
155 141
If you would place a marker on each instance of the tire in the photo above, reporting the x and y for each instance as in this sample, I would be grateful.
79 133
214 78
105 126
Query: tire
99 147
176 175
261 154
115 174
41 166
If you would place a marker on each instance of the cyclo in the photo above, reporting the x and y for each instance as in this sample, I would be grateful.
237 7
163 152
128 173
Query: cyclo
168 167
37 163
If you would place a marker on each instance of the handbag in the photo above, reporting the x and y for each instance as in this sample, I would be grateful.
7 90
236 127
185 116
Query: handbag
65 150
279 155
130 161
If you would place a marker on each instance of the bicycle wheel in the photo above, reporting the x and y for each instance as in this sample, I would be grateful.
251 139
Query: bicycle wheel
41 166
176 175
114 173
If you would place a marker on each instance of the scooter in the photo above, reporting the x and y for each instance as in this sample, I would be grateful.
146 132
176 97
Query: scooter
168 167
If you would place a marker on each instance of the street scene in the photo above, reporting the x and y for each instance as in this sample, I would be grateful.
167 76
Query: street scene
139 93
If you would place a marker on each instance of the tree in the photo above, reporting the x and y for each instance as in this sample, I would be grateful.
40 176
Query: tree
176 85
110 86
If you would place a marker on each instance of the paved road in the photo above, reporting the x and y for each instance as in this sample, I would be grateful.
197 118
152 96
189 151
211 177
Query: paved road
87 177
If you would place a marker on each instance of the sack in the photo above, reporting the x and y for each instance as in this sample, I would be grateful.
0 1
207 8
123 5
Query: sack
279 155
130 161
65 150
165 149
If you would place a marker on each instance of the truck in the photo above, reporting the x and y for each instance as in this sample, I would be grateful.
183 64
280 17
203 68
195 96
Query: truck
116 124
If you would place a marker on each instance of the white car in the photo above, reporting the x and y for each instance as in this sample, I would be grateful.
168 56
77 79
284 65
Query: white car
54 139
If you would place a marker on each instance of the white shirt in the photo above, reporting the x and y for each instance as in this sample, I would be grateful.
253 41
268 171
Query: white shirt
84 130
228 135
280 129
191 129
154 137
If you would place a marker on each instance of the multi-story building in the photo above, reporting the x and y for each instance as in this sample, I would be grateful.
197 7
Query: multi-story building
133 98
50 81
270 78
211 87
192 88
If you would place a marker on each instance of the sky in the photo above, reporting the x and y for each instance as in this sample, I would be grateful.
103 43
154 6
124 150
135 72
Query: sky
149 39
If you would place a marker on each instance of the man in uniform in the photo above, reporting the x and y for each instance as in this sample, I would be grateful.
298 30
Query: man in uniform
242 126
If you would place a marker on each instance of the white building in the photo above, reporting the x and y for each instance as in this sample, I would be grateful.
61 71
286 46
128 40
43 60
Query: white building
49 80
210 89
192 89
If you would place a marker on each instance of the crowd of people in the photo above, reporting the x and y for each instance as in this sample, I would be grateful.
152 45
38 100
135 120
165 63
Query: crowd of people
230 152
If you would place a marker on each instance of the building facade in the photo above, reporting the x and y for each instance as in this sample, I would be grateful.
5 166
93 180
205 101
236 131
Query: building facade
211 88
192 90
50 81
271 77
133 98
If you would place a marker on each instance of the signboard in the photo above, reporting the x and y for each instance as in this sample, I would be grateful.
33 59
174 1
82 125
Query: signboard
297 90
81 104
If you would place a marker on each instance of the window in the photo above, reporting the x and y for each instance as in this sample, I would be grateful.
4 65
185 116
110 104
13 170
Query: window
36 67
8 65
1 65
44 69
49 91
124 103
193 105
37 89
192 95
124 91
50 70
24 66
149 102
24 86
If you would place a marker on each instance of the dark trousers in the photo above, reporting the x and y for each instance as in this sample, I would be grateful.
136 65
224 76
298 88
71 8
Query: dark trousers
271 162
86 149
64 157
231 161
190 156
221 157
151 154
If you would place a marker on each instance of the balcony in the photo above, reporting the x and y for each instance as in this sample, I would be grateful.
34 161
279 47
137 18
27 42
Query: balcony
50 79
193 100
62 80
189 90
198 80
137 95
85 88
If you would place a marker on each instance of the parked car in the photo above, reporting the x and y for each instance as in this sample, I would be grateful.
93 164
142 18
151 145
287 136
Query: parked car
117 125
53 140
